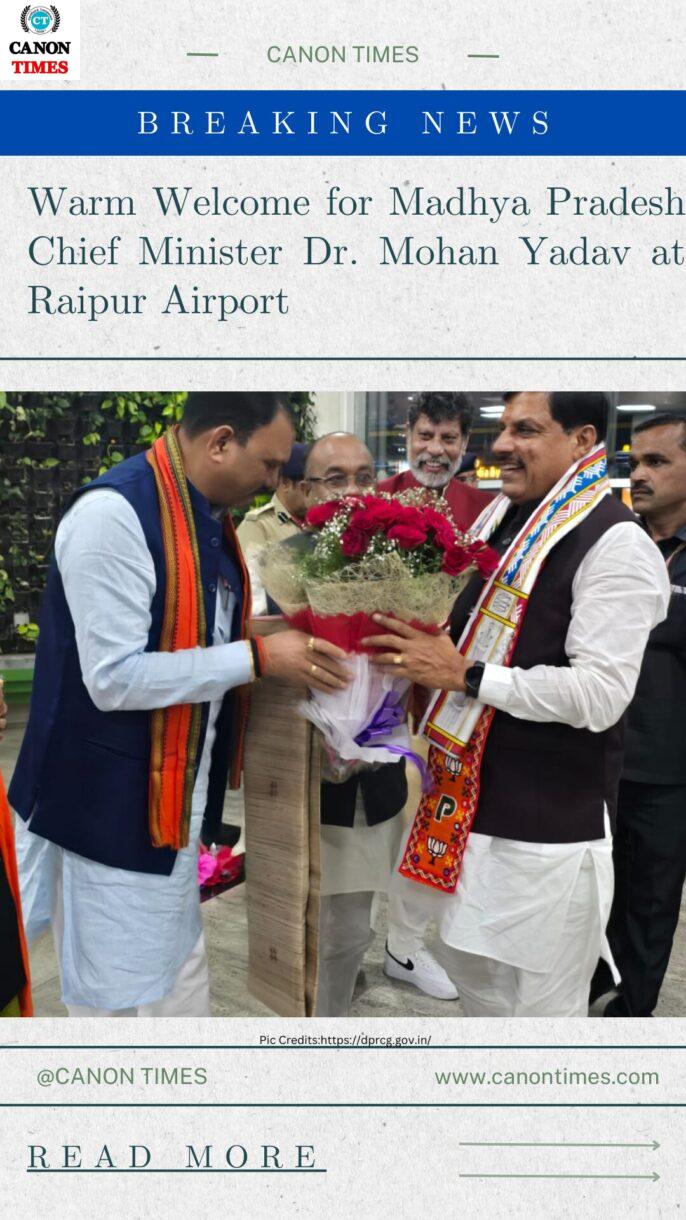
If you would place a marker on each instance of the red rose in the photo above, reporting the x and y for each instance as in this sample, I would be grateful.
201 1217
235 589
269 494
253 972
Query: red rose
456 559
486 560
407 536
385 512
353 542
411 517
375 517
443 531
320 514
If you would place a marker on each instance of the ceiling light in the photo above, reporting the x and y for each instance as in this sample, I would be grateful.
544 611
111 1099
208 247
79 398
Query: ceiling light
636 406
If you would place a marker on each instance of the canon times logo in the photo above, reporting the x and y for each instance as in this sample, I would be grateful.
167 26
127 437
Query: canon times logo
41 40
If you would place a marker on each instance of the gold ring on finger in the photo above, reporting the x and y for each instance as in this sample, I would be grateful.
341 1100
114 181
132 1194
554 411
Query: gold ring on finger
398 658
310 644
314 670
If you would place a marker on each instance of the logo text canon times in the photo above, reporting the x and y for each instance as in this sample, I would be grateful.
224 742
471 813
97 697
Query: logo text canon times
39 51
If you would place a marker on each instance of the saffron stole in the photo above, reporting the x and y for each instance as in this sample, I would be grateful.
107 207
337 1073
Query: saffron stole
175 731
456 725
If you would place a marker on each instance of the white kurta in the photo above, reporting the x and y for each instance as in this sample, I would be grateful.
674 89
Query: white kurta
513 897
126 934
359 857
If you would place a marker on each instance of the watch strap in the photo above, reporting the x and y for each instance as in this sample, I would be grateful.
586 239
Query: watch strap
472 679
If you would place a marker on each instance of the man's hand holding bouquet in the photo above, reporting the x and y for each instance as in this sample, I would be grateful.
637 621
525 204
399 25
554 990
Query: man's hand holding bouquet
369 555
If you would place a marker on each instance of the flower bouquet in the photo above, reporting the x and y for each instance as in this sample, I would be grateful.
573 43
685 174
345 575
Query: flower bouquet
400 556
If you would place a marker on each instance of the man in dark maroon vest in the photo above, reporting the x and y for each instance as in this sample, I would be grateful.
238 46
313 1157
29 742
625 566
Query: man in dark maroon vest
526 922
437 432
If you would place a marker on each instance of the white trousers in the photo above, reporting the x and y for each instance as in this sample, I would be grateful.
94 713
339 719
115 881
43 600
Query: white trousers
492 988
345 934
189 996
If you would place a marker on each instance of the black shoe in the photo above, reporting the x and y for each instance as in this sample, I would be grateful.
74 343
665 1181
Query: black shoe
601 983
617 1007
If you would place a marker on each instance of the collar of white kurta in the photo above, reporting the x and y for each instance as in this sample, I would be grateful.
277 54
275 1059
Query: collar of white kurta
493 627
457 726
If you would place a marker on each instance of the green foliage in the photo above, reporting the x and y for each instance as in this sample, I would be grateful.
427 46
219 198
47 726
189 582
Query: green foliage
53 443
50 444
28 632
6 590
301 403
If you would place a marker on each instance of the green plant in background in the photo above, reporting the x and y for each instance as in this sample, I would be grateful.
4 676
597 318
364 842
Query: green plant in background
6 589
302 405
52 443
28 632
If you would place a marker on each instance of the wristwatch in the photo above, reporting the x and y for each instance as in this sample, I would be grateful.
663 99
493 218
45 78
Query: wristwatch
472 679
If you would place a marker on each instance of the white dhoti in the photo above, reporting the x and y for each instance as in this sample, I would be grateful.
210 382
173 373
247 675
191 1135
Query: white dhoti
523 931
356 864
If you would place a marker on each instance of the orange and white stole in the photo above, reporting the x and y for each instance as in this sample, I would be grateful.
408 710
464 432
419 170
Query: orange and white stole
456 725
175 731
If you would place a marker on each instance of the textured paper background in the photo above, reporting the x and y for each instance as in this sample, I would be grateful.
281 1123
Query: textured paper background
383 1157
506 311
512 310
381 1162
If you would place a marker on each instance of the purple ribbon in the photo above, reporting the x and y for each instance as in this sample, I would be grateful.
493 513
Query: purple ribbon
387 717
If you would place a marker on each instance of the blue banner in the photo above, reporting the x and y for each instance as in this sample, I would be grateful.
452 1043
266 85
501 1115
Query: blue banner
342 122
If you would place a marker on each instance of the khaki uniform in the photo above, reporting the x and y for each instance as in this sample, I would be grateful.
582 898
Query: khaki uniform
259 528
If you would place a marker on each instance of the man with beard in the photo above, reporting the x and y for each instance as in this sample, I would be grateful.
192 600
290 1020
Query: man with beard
650 843
513 843
437 433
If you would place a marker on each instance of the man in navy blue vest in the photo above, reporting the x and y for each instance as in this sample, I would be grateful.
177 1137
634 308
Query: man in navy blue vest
125 913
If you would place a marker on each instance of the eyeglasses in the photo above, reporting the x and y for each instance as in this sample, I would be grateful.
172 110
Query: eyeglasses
363 480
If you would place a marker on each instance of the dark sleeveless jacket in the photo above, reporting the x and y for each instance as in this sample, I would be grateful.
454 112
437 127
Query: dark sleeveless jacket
82 774
548 782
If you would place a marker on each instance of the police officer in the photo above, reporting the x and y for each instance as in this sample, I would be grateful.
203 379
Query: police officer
275 521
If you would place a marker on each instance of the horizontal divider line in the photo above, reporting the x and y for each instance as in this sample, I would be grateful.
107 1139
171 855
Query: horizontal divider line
339 1105
345 359
248 1046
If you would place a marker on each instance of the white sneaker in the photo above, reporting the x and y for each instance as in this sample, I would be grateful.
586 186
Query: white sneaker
422 971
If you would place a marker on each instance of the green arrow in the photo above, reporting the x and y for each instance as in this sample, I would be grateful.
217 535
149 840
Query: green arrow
536 1144
647 1177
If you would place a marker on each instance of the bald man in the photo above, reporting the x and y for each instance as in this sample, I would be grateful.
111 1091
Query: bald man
361 826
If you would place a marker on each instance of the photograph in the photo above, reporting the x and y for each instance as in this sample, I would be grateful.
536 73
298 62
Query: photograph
343 704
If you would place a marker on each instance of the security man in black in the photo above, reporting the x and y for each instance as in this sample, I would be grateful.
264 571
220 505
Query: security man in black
650 841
